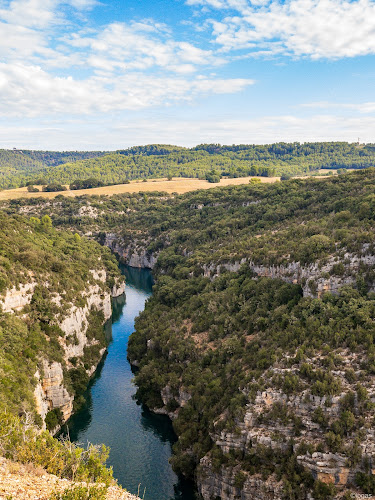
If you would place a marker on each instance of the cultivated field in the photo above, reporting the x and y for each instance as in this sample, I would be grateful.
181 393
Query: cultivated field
176 185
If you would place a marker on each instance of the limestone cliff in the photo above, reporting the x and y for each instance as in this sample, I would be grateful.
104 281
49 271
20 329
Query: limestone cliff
51 391
134 254
17 297
315 279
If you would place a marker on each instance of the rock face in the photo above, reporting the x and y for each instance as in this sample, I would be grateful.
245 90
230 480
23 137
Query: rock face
134 254
75 323
315 279
50 392
269 422
222 484
16 299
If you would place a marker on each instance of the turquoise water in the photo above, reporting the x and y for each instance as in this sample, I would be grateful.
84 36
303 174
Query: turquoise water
140 441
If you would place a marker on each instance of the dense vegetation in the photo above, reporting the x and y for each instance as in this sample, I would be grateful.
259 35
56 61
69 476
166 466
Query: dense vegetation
142 162
17 167
227 340
224 338
20 441
57 264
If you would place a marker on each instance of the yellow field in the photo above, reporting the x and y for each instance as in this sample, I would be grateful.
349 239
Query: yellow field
176 185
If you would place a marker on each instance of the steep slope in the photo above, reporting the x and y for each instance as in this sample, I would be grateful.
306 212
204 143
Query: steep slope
35 465
27 482
55 295
259 338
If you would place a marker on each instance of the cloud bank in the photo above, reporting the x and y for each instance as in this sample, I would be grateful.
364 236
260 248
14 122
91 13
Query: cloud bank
316 29
50 64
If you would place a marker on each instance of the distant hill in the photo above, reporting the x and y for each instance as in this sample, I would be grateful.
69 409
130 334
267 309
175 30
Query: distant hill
18 166
210 161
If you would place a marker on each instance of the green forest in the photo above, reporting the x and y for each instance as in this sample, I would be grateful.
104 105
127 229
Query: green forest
227 337
19 168
57 263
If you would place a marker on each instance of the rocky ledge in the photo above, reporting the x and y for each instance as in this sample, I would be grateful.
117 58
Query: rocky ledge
134 254
51 392
27 482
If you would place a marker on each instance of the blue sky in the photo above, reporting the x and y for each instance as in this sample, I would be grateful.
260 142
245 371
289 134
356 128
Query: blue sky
87 74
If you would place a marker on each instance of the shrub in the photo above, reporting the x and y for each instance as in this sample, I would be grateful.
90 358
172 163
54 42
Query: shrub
53 419
51 188
81 493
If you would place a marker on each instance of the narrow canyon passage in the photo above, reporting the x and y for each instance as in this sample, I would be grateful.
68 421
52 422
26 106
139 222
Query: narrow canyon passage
140 441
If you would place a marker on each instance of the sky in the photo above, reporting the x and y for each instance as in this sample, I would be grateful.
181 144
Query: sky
110 74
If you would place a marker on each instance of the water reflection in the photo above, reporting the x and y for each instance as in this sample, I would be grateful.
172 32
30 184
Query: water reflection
140 441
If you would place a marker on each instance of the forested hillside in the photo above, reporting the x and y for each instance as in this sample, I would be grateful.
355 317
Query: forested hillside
204 161
259 338
18 166
55 293
46 275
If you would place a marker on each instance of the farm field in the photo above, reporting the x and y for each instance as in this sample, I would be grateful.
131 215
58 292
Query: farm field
176 185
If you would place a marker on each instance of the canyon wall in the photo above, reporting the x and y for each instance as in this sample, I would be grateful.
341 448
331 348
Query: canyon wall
50 391
134 254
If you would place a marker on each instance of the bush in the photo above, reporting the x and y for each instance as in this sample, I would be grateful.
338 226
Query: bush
54 418
81 493
85 184
22 442
52 188
323 491
213 177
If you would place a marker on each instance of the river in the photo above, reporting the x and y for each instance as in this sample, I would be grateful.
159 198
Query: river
140 441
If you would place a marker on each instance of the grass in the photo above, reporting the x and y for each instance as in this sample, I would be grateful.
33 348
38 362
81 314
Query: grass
176 185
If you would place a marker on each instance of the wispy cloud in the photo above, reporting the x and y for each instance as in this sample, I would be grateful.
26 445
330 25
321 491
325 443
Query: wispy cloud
364 107
298 28
109 134
29 90
126 65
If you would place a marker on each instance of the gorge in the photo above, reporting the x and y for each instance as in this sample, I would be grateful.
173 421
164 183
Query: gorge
258 339
140 441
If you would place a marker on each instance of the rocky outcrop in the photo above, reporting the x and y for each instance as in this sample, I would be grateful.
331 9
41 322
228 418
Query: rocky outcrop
50 392
118 289
315 279
328 468
17 298
228 484
76 321
270 422
178 399
134 254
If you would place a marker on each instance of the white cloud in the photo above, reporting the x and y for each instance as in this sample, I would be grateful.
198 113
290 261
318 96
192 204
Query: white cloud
30 91
141 46
110 134
365 107
314 28
125 65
